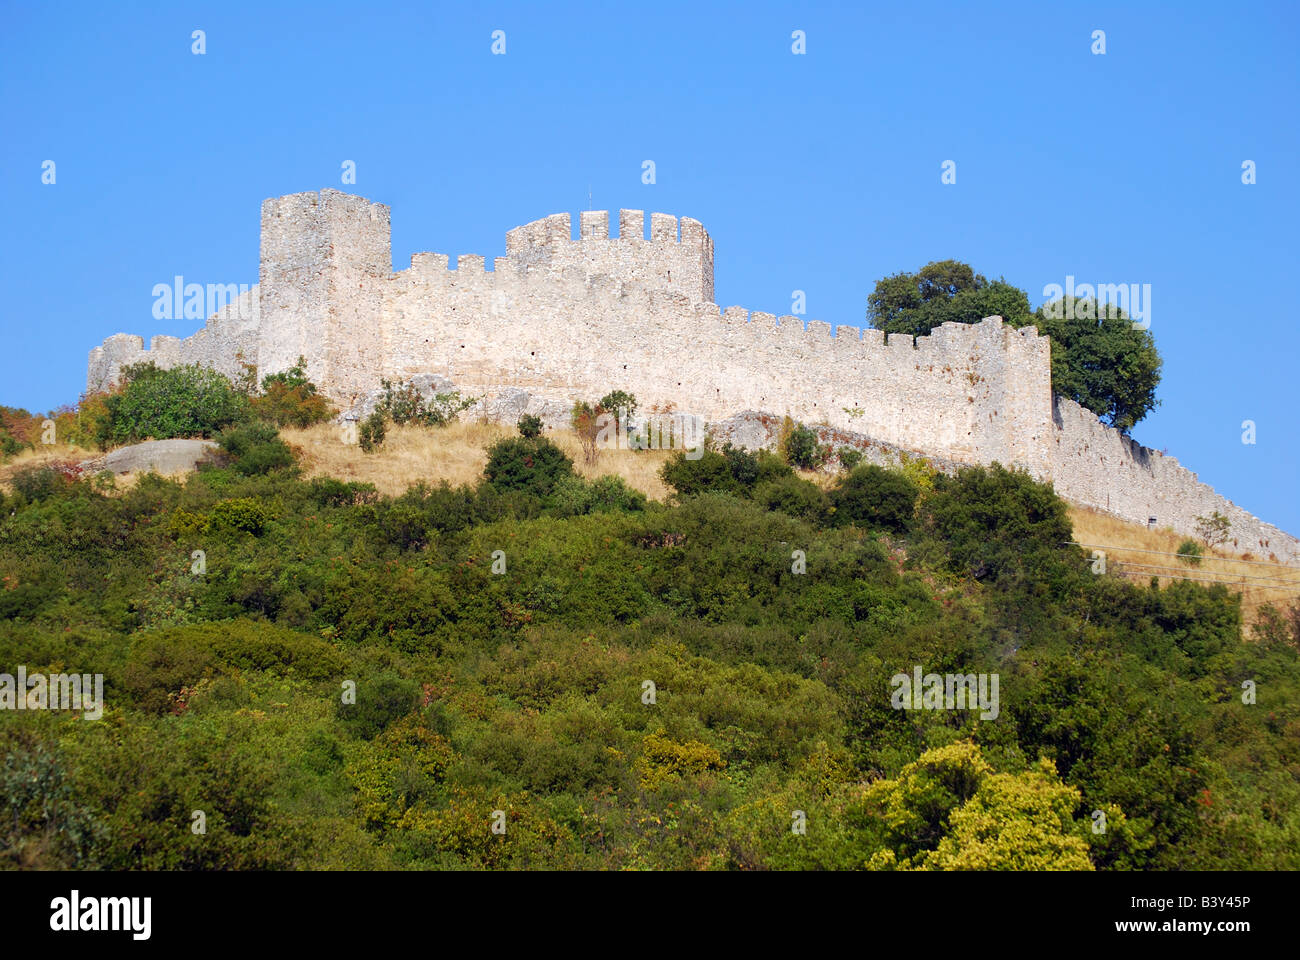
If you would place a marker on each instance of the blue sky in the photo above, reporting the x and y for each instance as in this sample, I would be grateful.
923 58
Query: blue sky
818 172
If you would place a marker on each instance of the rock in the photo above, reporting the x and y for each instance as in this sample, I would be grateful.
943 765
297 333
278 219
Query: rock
159 456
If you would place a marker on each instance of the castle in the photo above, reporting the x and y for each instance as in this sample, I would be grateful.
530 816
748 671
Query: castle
558 319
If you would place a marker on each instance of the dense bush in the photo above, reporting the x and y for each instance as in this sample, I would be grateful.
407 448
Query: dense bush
997 523
530 426
849 457
801 448
730 470
185 401
533 466
875 498
404 403
255 448
573 496
794 496
38 482
1190 552
379 701
289 399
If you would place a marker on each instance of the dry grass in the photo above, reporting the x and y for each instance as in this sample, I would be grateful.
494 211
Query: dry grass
42 455
456 453
1131 544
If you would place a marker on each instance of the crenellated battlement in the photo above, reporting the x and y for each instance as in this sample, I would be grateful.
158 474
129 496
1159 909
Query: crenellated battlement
677 255
562 317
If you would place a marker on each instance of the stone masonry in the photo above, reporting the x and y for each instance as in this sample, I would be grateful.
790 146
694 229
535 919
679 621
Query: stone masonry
560 318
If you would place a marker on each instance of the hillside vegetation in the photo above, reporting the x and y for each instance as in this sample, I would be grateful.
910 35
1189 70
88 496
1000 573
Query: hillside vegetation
538 668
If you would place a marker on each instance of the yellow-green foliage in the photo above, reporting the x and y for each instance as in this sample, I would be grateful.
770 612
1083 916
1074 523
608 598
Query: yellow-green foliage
240 513
919 471
981 820
184 523
397 772
664 759
245 514
162 663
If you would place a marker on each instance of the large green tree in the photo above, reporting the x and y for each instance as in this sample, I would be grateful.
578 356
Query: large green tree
1100 360
940 292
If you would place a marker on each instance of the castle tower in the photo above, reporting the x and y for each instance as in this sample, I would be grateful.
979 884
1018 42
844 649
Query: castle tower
322 255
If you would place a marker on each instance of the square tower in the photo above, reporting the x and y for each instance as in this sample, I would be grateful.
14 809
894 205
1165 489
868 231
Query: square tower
321 255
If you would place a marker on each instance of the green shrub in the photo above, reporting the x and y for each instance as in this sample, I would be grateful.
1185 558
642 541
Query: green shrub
1190 552
162 662
10 445
289 399
379 701
185 401
329 492
255 448
733 470
533 466
574 496
37 483
800 448
372 432
849 457
711 472
404 403
43 823
794 496
246 514
875 498
530 426
998 524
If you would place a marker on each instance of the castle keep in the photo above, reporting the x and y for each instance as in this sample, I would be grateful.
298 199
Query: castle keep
562 319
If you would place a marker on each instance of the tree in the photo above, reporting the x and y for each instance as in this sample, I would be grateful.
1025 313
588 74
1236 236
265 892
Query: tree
950 811
1100 360
290 399
799 446
1213 529
941 292
998 524
372 431
619 403
587 423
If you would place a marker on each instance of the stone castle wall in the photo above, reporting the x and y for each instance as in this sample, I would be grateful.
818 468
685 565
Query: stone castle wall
568 318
